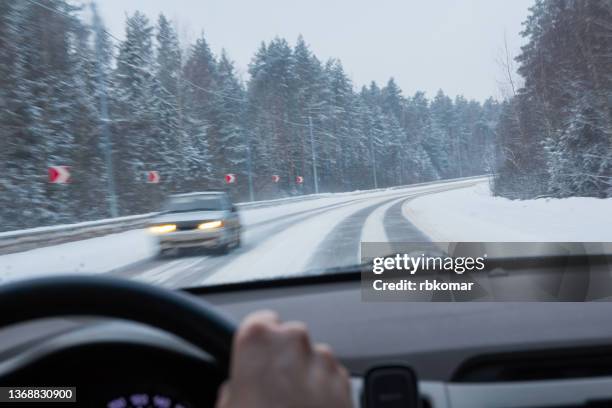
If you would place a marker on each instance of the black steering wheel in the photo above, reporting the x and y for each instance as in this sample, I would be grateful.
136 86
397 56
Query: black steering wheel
180 314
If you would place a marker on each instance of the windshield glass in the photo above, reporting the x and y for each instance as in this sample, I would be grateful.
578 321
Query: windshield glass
318 127
183 204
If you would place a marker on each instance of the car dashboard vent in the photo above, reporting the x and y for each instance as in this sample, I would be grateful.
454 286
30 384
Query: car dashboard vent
537 365
588 404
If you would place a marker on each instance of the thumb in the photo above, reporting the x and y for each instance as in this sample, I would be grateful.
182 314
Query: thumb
223 395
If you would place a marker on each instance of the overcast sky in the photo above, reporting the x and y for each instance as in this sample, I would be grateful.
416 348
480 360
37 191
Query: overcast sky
424 44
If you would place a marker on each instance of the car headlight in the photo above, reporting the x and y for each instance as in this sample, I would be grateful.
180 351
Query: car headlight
162 229
211 225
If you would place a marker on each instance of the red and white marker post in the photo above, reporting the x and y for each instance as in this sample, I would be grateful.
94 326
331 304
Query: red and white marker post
59 174
153 177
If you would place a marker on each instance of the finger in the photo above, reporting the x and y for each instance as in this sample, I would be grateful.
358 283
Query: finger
262 316
256 326
342 380
298 333
327 357
346 378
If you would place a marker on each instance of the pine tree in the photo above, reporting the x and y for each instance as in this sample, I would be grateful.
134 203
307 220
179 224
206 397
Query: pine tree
168 102
271 104
192 118
417 125
200 73
311 96
230 102
135 115
440 143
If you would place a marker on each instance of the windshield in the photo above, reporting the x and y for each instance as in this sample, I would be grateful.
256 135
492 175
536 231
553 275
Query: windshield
320 128
184 204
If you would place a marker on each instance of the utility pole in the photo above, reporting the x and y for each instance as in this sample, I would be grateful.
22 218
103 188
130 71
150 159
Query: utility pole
249 164
108 154
181 136
458 154
314 157
373 154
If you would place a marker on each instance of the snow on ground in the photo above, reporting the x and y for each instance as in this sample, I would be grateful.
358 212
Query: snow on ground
256 215
103 254
106 253
275 245
374 228
473 214
55 228
94 255
289 251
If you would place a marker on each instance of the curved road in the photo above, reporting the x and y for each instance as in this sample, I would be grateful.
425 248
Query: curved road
297 238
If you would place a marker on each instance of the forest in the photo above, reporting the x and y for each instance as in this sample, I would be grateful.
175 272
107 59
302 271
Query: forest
73 94
555 132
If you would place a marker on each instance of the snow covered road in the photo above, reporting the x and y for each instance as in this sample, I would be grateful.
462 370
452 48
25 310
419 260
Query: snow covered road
282 240
295 239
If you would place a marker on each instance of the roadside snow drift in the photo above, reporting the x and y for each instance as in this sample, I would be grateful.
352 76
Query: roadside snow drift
473 214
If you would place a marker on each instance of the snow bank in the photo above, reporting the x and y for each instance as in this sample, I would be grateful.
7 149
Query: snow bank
94 255
473 214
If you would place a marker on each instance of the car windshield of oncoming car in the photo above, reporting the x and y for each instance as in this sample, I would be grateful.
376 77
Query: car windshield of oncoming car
185 204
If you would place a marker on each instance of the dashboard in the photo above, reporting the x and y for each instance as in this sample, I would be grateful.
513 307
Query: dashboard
503 355
113 364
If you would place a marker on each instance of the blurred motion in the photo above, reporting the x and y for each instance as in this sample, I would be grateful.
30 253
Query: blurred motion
197 220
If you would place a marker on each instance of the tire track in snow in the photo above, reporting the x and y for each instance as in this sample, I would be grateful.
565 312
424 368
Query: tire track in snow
162 273
398 228
172 272
341 245
190 272
262 236
374 227
290 253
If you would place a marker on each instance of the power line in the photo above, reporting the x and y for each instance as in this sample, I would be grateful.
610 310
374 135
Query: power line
189 82
217 93
51 9
183 79
114 45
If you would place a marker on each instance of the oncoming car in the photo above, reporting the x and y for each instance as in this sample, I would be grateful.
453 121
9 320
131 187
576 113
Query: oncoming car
203 219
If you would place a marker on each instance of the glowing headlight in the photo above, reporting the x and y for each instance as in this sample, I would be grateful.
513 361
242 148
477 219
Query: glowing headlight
210 225
162 229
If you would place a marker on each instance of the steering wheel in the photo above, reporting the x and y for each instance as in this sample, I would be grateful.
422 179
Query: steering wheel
193 320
